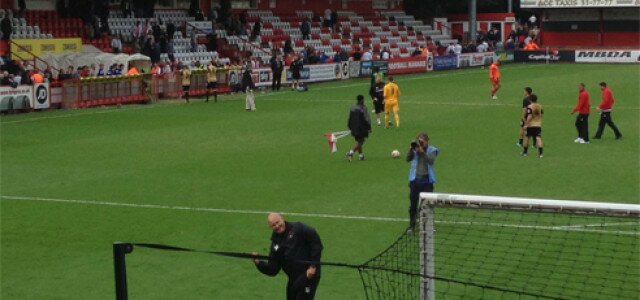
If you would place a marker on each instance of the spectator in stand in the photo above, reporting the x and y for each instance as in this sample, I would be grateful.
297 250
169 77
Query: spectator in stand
171 29
357 55
334 21
493 36
509 45
533 21
457 48
36 77
344 56
199 16
257 27
534 33
6 27
287 49
22 7
305 29
125 6
101 71
483 47
243 17
324 58
277 66
337 58
367 55
385 54
327 18
450 49
531 46
133 71
47 74
138 36
116 44
522 35
440 49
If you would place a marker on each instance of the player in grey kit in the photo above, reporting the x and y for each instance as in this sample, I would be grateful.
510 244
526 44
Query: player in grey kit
293 246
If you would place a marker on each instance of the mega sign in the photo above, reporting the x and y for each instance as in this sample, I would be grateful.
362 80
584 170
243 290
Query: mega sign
608 56
577 3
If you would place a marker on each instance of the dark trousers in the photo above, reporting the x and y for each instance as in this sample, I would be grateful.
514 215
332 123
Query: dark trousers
416 187
275 84
301 288
605 118
582 125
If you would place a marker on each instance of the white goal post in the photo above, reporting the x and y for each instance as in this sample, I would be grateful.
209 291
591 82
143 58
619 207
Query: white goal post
430 202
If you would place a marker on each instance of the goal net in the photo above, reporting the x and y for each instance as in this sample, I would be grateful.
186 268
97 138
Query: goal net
480 247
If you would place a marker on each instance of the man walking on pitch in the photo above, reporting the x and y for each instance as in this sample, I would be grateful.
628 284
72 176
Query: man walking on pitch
186 82
525 103
391 94
422 175
212 81
376 92
293 246
494 76
533 126
276 69
360 126
583 108
605 108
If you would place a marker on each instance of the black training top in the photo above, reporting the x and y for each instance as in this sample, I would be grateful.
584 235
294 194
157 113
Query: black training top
299 242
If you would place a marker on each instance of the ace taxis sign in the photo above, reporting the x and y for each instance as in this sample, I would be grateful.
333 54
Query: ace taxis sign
578 3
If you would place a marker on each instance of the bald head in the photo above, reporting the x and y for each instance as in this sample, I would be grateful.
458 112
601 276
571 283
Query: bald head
276 222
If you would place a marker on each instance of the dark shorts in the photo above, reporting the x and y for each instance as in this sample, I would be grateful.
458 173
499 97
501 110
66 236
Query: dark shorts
212 85
295 75
534 131
378 106
359 139
185 88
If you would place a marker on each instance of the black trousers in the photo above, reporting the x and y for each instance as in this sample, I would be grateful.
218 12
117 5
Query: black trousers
302 288
605 118
582 125
275 83
415 188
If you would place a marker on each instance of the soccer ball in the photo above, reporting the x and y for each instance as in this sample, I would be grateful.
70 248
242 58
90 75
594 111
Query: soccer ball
395 153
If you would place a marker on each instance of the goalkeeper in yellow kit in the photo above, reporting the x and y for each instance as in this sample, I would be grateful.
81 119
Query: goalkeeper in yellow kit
391 94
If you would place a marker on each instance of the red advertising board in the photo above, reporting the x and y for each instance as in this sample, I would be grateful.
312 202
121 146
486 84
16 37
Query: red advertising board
404 65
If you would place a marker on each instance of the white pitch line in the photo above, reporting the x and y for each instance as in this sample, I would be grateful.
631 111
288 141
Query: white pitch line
93 112
317 215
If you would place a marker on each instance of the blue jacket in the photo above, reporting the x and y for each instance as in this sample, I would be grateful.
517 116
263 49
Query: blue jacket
413 159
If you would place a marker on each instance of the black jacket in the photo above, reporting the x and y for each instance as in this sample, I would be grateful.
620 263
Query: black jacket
276 65
299 242
247 81
359 122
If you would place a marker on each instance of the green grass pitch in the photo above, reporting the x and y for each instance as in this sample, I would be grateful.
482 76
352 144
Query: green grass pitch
200 176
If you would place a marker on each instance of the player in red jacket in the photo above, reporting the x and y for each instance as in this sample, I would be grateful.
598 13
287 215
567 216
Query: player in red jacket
605 108
494 76
583 108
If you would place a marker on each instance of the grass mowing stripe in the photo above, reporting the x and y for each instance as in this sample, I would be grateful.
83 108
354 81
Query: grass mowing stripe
321 215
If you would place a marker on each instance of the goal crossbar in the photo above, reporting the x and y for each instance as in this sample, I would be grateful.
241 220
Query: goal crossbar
573 206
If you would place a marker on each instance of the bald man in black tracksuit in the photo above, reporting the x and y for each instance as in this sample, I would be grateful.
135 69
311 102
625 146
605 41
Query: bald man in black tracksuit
292 243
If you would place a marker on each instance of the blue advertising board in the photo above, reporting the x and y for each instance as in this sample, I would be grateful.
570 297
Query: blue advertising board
445 62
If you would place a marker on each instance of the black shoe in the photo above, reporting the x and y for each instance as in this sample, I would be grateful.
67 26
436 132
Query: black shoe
596 137
618 137
349 156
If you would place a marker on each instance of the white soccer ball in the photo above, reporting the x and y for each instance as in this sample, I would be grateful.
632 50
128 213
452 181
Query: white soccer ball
395 153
